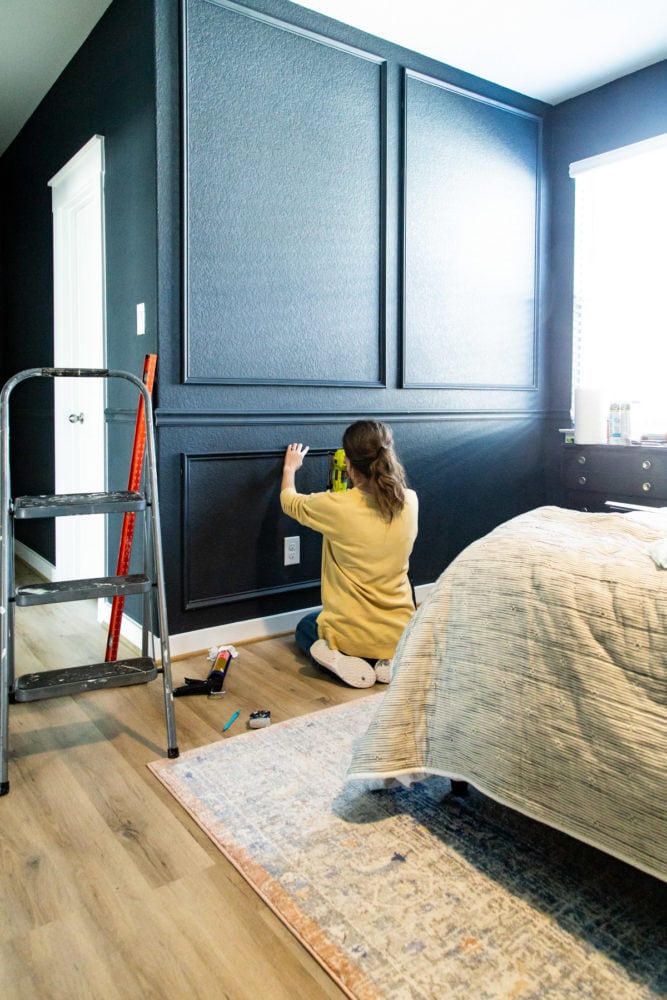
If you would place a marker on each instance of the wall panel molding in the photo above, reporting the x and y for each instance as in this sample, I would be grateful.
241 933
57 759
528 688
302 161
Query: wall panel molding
471 194
294 418
232 520
284 263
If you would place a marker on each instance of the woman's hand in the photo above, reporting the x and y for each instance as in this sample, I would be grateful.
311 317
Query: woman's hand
294 456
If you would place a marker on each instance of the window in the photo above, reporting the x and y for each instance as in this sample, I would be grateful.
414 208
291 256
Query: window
620 278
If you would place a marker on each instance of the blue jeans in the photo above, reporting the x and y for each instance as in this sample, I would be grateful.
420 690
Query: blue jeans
306 632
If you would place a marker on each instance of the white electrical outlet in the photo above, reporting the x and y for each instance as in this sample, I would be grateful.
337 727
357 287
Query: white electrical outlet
141 319
292 550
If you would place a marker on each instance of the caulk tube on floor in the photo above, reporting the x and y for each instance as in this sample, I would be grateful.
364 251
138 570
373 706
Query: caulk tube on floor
213 683
216 677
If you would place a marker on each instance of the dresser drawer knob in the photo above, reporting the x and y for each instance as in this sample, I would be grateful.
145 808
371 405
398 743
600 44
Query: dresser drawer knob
646 487
646 464
582 480
581 460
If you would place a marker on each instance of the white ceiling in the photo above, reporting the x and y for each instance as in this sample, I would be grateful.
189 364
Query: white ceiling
548 49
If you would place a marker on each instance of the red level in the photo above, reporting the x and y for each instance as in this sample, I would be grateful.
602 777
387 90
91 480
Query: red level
127 533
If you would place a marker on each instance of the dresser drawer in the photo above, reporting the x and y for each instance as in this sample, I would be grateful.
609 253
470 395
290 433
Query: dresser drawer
613 470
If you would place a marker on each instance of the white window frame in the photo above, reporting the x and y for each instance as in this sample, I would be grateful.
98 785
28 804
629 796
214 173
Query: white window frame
587 308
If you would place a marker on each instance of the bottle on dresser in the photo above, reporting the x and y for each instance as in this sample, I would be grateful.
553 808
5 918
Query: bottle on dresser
620 423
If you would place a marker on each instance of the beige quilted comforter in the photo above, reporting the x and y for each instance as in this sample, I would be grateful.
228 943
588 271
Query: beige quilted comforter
536 669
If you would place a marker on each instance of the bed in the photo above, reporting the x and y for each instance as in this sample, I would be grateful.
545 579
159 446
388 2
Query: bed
536 671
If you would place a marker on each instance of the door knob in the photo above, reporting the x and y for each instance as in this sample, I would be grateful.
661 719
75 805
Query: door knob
76 418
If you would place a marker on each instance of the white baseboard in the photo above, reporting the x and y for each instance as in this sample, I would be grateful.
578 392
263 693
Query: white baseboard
187 643
129 629
253 629
236 632
35 561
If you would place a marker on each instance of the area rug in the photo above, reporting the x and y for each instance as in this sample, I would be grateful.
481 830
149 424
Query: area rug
416 894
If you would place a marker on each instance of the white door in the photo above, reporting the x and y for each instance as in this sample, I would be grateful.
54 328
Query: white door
79 342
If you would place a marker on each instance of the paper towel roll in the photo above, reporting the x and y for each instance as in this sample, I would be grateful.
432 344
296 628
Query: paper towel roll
590 419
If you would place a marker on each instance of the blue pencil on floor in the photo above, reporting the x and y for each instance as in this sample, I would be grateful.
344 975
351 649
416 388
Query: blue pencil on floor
229 721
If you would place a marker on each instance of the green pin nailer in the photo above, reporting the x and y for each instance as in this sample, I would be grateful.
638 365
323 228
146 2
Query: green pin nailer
337 471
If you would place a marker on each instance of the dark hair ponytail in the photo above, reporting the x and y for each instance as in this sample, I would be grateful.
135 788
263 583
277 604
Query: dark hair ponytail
369 446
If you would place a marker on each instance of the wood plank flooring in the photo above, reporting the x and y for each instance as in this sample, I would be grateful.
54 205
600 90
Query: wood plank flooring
107 888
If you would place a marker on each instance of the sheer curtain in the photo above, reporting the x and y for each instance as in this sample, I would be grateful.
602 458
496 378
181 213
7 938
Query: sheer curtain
620 277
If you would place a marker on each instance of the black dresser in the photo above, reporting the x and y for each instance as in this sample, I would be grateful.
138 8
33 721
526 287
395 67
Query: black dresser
594 473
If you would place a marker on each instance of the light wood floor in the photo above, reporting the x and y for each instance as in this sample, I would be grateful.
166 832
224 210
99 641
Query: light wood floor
107 888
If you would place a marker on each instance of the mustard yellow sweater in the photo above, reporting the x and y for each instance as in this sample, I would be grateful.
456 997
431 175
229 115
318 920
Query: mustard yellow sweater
366 594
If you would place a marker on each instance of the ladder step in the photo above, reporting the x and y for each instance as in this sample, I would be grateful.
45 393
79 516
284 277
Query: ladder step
97 588
62 504
76 680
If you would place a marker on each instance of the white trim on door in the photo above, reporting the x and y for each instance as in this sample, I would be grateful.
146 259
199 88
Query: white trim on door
79 342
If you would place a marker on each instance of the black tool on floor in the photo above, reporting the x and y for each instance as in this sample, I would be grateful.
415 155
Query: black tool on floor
213 683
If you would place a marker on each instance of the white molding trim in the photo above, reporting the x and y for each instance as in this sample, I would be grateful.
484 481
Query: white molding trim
79 336
616 155
93 149
129 629
251 630
35 561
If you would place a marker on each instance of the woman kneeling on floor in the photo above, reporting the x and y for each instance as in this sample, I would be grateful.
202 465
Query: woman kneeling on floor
368 534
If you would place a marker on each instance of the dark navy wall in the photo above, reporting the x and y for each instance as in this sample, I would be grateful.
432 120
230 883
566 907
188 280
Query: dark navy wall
108 89
361 234
327 226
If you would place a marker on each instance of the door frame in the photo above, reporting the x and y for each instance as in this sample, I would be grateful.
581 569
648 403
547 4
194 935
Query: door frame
79 341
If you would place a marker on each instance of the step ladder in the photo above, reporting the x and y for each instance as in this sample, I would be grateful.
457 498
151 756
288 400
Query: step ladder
149 584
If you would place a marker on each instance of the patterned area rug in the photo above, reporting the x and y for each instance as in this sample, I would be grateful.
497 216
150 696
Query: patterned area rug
416 894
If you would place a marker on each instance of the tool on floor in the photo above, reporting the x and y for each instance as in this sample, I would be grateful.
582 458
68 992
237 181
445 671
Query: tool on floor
129 519
213 685
259 719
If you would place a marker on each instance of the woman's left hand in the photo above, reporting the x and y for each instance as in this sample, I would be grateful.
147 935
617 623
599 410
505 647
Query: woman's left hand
294 456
